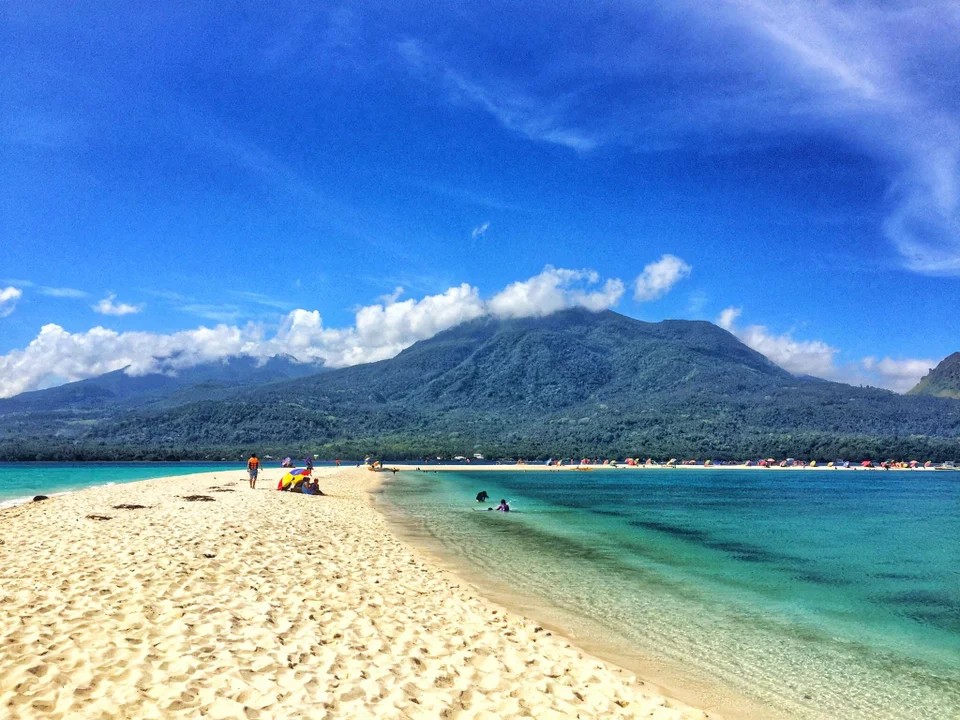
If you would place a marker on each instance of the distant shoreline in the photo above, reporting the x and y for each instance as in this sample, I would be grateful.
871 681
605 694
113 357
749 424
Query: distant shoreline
540 467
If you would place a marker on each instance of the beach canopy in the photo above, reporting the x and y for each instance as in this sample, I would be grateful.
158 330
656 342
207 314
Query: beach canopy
867 463
292 477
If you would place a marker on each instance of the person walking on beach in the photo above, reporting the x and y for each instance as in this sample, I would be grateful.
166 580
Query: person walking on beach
253 468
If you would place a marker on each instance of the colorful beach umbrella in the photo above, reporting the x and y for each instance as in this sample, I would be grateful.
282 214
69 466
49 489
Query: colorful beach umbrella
292 477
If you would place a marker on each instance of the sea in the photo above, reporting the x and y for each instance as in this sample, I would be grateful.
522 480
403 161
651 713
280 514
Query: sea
757 593
22 481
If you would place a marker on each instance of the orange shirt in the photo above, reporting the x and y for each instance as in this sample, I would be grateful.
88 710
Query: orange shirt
253 463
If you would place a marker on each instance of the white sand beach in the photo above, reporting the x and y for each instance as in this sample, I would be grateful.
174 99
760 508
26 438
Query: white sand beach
260 604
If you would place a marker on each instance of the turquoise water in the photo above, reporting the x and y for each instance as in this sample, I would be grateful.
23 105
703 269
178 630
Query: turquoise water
23 480
816 594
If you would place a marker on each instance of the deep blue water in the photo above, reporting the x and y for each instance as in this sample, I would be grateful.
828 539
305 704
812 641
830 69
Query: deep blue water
817 593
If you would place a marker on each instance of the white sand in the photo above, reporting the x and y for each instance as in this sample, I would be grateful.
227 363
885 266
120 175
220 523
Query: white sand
267 605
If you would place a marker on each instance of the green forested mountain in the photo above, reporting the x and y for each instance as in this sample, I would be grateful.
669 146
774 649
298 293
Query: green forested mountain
574 383
118 389
942 381
68 410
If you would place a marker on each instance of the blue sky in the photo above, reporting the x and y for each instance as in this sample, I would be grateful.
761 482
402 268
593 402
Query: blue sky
339 181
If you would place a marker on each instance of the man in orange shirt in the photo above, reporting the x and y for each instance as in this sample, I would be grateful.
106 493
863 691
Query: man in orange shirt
253 467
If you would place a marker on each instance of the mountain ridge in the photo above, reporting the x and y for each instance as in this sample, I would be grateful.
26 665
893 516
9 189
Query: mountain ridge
120 387
575 382
941 381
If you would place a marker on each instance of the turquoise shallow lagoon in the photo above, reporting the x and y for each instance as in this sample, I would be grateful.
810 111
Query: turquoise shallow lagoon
811 593
23 480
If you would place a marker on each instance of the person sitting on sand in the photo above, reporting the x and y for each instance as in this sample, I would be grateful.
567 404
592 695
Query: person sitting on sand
503 506
482 496
299 484
311 487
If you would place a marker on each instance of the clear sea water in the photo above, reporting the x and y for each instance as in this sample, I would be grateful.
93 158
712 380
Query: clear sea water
21 481
808 594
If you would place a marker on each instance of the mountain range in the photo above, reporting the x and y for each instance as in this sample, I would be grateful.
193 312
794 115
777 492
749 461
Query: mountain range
166 386
573 383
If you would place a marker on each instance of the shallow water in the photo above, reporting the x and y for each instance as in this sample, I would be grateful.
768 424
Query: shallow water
815 594
21 481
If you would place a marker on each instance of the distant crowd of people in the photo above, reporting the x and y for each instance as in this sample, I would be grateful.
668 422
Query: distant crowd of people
763 462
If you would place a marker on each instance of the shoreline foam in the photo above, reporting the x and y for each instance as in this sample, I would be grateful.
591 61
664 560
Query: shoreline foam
262 604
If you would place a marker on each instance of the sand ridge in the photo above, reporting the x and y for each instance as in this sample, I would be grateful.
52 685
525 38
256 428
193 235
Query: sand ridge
260 604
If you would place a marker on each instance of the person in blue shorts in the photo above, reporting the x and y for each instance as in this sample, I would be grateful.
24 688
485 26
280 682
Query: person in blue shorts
253 469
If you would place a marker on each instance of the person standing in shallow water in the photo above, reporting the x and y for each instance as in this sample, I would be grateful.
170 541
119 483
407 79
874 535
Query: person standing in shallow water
253 469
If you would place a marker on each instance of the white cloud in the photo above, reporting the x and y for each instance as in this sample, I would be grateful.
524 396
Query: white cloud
63 292
884 77
107 306
817 358
659 277
925 224
8 299
898 375
801 357
525 114
383 329
264 300
409 320
480 230
57 356
875 80
555 289
520 113
392 297
727 318
218 313
379 331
